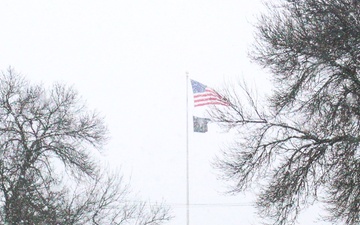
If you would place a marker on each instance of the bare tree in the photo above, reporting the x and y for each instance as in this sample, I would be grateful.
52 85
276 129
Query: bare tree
302 146
44 133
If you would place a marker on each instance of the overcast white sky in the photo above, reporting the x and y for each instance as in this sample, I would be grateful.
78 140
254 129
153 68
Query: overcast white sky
128 59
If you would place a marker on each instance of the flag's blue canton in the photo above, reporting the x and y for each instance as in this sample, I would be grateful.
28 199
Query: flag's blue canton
197 87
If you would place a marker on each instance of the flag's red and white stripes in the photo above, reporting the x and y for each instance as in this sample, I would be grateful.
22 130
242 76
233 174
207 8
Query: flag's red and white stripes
209 97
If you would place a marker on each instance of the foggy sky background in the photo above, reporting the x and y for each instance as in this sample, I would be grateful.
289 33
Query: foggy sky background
128 60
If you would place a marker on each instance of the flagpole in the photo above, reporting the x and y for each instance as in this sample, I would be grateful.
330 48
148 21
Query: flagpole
187 152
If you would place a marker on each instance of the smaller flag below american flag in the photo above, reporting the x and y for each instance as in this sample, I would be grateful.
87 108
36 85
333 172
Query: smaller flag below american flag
200 124
206 96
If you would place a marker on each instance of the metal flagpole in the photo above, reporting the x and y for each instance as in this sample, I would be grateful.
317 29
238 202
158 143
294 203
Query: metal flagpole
187 151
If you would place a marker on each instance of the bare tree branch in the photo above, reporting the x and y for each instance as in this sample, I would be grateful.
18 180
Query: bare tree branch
303 147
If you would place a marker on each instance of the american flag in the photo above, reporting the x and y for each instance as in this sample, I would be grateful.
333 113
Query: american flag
206 96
